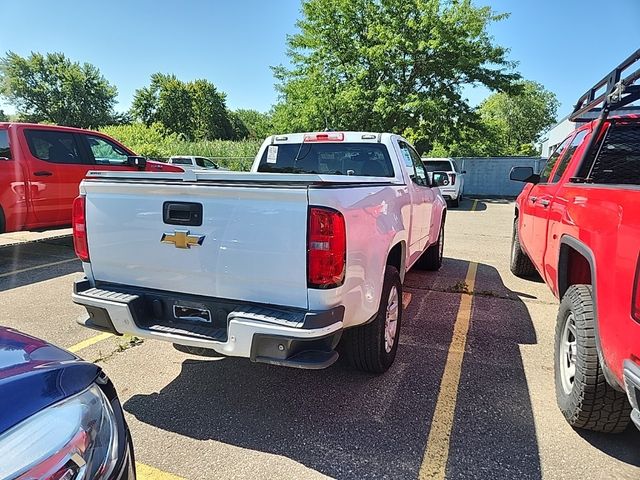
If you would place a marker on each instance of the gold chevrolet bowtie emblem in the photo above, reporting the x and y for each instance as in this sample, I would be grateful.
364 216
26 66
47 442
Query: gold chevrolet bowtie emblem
182 239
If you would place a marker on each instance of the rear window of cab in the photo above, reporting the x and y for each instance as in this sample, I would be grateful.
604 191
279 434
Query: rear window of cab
437 165
358 159
5 151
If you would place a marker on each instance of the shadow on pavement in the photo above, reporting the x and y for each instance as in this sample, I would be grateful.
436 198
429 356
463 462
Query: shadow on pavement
616 446
466 205
347 424
42 260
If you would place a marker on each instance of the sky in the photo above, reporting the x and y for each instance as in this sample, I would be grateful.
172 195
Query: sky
566 45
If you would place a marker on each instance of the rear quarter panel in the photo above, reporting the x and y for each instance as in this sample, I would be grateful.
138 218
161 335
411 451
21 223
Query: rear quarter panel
607 221
376 218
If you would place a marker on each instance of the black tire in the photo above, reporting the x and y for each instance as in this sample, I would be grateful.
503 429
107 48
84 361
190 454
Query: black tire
365 346
588 401
431 259
521 266
455 203
2 221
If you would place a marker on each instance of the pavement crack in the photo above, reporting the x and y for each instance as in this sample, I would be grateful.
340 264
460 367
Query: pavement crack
128 342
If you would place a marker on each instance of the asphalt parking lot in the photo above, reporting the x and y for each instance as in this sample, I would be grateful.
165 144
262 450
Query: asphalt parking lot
470 394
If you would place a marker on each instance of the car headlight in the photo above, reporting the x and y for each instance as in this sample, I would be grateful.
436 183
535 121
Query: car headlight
74 439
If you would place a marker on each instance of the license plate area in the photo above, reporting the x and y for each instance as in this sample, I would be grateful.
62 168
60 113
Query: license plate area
189 313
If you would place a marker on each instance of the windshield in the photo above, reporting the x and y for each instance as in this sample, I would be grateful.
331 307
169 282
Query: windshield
360 159
437 165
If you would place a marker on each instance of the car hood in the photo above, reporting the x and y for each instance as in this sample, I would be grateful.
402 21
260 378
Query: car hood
35 374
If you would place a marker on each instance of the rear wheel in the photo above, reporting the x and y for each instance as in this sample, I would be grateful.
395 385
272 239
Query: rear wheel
372 347
521 265
583 394
455 203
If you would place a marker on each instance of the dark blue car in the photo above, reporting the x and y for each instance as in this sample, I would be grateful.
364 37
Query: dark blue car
60 417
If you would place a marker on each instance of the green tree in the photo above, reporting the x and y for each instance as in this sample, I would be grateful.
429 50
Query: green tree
52 88
239 130
210 116
195 109
166 100
3 116
259 125
388 65
519 119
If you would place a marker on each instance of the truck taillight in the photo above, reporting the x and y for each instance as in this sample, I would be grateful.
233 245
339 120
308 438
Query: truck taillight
453 178
635 302
79 222
326 248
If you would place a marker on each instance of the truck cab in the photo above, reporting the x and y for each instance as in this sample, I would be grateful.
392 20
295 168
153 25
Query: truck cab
43 165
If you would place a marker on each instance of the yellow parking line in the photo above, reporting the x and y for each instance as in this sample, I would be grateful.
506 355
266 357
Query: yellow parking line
436 455
88 342
475 204
145 472
22 270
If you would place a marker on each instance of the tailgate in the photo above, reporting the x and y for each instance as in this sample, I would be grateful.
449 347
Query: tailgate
253 240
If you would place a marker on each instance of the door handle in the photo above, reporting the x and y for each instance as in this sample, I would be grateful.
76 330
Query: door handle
42 173
533 199
545 203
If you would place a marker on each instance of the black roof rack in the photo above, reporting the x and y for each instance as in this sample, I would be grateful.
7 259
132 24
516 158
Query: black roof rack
618 92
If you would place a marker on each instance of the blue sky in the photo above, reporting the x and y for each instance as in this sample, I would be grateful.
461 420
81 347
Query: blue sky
561 44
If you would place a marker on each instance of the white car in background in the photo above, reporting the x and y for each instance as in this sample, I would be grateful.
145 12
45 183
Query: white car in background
192 163
454 191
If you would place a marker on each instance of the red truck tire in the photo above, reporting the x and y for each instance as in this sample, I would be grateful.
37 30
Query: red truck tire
584 396
520 265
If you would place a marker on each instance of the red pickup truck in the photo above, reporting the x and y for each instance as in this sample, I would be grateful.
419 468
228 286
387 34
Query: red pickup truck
577 224
41 167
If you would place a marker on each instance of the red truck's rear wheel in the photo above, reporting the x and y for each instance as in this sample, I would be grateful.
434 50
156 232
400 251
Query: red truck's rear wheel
584 396
521 265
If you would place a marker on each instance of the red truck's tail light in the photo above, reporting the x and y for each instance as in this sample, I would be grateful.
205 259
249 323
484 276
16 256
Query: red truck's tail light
635 302
79 221
326 248
452 176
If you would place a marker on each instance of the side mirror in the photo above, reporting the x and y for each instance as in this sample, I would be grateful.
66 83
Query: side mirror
463 172
139 162
440 179
524 174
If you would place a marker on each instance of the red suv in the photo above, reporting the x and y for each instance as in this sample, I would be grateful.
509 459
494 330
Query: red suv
41 167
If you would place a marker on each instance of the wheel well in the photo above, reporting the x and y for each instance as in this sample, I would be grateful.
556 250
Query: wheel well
574 269
396 258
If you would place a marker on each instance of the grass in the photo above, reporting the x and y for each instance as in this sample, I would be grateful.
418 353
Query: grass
228 154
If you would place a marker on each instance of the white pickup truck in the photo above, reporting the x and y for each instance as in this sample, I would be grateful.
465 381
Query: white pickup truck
278 264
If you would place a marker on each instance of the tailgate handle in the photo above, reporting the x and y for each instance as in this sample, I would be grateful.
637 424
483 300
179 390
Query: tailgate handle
182 213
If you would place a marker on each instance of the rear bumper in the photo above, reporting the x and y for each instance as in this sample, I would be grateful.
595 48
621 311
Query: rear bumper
632 384
450 193
263 333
